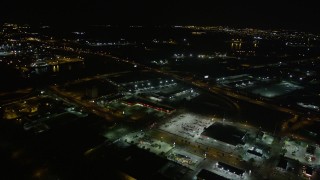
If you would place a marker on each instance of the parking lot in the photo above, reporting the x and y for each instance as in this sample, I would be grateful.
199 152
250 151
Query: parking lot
187 125
144 141
298 151
185 158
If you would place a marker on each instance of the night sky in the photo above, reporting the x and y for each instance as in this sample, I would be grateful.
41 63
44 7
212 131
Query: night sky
292 14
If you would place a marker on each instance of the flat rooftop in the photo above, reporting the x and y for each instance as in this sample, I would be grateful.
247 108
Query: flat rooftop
232 169
205 174
141 164
225 133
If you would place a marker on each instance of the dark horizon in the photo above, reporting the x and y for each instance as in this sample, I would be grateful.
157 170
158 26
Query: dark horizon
267 14
110 89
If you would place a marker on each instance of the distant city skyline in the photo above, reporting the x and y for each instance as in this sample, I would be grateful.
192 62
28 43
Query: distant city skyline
265 14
